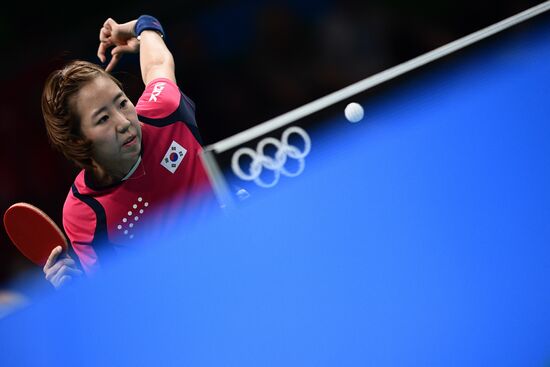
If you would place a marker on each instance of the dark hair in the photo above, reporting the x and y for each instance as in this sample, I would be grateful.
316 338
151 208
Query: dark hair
62 122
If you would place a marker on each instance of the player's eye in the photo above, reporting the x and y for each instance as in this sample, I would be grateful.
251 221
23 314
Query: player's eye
123 103
102 120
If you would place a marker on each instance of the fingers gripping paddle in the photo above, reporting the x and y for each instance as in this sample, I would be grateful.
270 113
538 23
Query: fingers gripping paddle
33 232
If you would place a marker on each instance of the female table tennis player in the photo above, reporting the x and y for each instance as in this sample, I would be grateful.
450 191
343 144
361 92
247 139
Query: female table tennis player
140 164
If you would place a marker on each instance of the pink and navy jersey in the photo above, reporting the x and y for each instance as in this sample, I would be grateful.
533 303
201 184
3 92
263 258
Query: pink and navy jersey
169 183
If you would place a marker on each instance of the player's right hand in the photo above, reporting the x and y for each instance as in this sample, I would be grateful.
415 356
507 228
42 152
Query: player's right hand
60 268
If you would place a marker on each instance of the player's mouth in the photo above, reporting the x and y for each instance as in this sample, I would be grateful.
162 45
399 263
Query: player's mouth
132 140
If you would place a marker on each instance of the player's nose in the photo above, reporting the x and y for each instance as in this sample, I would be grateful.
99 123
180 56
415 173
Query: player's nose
122 123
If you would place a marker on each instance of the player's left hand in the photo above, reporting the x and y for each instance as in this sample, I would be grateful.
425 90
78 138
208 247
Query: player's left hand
119 36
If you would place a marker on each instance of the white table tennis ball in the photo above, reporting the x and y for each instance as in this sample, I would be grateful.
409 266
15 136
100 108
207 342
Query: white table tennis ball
354 112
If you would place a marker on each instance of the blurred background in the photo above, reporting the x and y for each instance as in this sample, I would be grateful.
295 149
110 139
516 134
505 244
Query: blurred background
242 62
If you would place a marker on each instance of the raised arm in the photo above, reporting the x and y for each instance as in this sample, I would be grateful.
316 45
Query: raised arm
155 58
143 35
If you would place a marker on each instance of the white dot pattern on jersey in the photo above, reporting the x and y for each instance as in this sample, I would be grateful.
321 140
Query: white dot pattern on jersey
127 223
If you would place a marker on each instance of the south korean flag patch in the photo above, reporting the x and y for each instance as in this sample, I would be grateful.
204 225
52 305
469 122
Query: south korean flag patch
173 157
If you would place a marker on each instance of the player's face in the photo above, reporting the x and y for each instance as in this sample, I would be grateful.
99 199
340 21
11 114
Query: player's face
110 121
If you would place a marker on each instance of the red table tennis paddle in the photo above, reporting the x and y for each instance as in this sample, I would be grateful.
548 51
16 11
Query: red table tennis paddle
33 232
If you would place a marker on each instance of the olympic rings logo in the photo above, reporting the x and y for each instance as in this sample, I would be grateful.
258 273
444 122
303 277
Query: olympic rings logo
260 160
